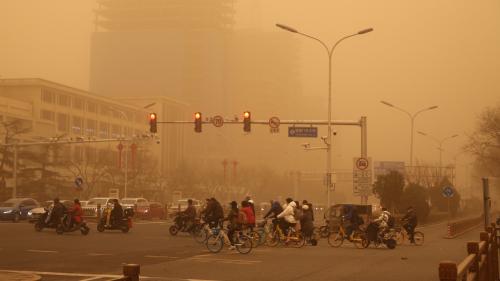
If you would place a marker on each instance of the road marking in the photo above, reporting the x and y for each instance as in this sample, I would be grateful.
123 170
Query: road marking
99 254
41 251
160 257
90 276
231 261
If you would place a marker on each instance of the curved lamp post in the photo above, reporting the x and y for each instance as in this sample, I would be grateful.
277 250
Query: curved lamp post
329 52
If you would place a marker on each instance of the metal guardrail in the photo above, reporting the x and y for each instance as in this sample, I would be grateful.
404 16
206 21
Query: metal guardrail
459 227
481 263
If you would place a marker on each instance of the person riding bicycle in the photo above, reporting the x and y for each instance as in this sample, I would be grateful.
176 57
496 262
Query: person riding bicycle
411 223
274 211
235 220
383 221
286 217
354 220
76 213
250 216
214 213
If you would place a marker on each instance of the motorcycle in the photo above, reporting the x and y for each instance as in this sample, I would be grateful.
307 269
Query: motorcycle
124 224
67 225
373 235
45 221
180 224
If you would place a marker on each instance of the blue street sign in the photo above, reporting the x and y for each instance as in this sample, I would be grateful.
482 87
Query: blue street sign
79 183
448 191
303 132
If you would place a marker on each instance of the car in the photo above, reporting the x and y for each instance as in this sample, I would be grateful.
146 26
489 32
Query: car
83 203
35 213
91 210
16 209
156 210
140 206
181 205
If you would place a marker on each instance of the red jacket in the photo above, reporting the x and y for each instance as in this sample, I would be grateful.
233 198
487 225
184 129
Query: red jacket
249 213
77 213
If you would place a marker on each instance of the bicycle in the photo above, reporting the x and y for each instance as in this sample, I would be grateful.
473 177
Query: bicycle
402 236
254 236
216 241
293 237
201 232
265 231
336 238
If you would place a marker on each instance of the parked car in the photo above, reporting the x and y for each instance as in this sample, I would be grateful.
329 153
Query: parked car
181 205
16 209
83 203
156 210
35 213
90 210
140 206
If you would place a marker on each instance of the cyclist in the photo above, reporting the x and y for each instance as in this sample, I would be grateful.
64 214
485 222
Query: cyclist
411 223
286 217
275 210
383 221
247 209
213 212
235 219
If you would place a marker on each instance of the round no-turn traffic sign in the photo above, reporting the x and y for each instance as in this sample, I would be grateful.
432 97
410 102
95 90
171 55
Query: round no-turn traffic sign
362 164
274 122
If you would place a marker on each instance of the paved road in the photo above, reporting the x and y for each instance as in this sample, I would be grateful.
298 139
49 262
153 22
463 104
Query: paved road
99 256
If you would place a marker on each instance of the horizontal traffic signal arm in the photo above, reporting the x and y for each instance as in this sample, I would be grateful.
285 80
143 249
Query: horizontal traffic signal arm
282 122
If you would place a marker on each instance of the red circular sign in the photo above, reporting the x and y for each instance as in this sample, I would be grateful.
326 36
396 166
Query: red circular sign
362 164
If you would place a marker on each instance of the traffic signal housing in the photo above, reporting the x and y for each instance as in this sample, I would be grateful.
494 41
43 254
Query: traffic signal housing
197 122
247 116
152 123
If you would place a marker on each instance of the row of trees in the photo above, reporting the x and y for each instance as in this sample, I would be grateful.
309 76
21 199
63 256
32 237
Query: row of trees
397 196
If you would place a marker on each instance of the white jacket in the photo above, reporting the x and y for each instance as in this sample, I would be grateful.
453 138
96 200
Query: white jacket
288 213
383 219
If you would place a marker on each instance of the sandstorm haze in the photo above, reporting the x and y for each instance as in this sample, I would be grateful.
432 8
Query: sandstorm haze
421 53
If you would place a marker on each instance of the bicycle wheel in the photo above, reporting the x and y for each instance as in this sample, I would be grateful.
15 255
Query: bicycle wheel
298 241
400 237
419 238
214 243
243 244
324 231
273 239
255 238
200 235
335 239
359 240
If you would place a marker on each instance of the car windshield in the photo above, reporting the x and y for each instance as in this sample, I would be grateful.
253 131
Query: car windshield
96 201
128 201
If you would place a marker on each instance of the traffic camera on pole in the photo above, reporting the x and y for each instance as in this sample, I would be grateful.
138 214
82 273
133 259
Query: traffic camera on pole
247 121
197 122
152 123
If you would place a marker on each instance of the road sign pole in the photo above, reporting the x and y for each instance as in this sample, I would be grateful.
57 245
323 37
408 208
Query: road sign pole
486 202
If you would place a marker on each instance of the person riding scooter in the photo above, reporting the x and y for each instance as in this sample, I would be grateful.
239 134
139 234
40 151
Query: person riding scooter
76 214
116 213
57 213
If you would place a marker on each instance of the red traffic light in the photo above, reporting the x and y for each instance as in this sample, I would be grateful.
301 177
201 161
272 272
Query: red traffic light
247 121
197 122
152 116
152 123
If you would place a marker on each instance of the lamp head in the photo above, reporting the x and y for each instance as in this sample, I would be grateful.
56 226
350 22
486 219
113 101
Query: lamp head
365 31
386 103
287 28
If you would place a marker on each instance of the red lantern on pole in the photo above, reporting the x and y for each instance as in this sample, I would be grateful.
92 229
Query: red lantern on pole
120 148
133 151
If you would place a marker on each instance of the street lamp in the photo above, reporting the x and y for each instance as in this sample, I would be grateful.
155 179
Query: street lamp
125 117
329 52
412 118
440 143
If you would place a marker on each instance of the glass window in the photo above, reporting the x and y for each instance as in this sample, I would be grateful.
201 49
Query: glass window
48 96
47 115
62 122
116 131
103 129
63 100
91 107
91 128
78 103
77 127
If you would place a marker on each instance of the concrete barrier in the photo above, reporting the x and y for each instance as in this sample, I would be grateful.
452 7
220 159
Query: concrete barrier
481 263
459 227
131 272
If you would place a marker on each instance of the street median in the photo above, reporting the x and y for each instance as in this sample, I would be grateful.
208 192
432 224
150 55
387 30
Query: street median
459 227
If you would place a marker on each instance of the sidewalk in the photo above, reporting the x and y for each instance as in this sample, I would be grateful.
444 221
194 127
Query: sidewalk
14 276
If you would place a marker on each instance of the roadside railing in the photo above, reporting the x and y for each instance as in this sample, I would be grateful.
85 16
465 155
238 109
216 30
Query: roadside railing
481 263
459 227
